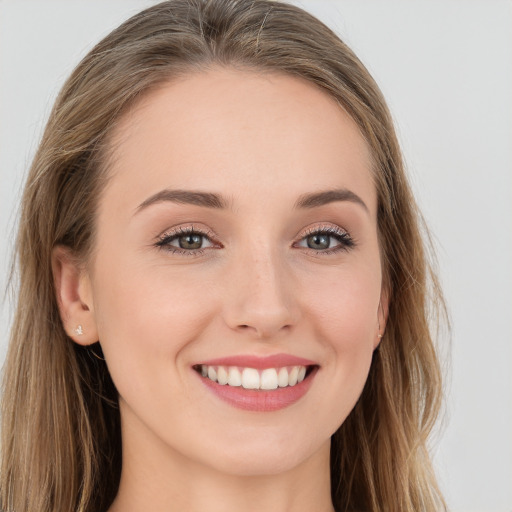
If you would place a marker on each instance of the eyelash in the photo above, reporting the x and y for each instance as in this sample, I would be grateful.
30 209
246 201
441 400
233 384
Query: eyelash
346 242
165 240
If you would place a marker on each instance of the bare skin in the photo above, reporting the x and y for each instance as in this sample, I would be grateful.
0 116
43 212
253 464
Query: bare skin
264 275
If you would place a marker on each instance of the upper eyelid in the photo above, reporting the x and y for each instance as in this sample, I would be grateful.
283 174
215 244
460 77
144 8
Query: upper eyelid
185 230
329 228
324 229
207 232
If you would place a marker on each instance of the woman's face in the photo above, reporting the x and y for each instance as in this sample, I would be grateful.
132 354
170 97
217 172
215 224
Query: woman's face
236 238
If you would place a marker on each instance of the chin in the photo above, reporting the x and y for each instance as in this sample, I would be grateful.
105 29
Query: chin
270 456
264 464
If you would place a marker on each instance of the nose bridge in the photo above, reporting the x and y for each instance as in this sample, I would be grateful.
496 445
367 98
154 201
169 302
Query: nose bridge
262 298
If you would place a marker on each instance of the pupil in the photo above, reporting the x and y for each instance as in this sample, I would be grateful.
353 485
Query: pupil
318 241
190 241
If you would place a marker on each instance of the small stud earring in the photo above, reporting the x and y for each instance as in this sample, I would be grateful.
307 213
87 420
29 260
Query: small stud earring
379 336
79 330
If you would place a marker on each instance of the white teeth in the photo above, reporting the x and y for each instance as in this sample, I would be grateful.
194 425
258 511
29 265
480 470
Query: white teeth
269 379
282 378
251 378
222 375
292 377
235 377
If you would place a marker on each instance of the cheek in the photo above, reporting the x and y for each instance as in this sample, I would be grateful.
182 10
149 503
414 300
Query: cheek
346 308
341 309
146 316
343 313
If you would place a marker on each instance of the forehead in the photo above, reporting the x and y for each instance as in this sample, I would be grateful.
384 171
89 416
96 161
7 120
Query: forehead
233 131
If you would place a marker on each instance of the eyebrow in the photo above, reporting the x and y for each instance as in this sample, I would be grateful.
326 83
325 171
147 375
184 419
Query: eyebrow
212 200
205 199
329 196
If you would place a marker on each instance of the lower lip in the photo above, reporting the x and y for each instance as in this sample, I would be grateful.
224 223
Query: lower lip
260 400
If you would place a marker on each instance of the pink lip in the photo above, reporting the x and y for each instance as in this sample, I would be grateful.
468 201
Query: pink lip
260 362
260 400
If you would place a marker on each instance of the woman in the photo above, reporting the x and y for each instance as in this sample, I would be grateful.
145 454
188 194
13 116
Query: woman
223 286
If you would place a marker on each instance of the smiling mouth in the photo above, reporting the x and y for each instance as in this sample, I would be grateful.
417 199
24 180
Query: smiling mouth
255 379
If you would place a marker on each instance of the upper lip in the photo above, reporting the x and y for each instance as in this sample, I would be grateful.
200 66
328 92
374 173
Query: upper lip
259 362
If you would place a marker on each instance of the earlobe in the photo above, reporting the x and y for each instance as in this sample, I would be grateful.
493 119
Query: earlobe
74 297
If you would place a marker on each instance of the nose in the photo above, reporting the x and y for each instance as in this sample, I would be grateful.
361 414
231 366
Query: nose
261 297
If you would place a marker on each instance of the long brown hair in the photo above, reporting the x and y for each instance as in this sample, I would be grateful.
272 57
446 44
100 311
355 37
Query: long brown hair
61 434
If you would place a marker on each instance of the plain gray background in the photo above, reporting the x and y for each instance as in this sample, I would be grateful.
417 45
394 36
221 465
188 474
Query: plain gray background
445 67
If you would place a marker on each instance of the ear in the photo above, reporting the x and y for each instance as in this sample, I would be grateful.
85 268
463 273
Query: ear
74 297
382 315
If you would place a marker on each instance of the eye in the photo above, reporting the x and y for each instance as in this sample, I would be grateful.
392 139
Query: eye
185 241
190 241
327 240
